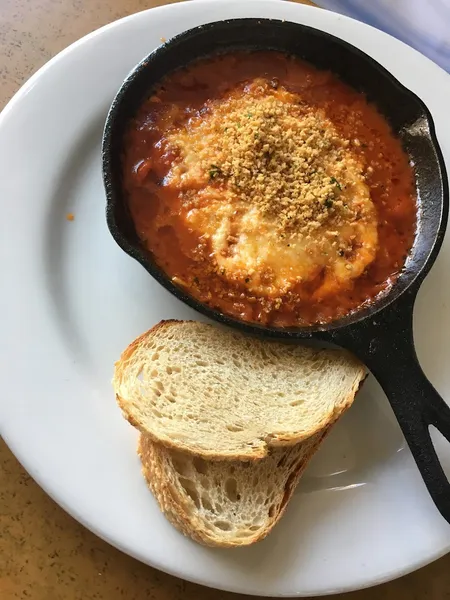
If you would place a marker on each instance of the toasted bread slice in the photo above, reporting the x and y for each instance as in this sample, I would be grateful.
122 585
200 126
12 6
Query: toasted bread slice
221 502
215 393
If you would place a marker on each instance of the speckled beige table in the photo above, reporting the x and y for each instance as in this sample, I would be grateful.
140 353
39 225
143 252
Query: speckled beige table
44 553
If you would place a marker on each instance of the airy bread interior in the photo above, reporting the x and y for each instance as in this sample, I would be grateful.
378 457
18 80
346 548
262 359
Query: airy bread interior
219 394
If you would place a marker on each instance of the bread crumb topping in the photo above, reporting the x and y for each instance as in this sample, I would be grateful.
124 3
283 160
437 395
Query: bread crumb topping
272 151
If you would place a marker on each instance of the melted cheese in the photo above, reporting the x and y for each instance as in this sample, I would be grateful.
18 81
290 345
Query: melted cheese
248 247
278 193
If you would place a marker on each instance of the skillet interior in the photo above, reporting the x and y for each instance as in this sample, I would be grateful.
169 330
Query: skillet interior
407 114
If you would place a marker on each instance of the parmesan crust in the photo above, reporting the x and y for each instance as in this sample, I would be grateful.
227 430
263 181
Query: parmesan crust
275 192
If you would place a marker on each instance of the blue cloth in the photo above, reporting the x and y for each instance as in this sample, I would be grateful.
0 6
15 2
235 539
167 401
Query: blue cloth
423 24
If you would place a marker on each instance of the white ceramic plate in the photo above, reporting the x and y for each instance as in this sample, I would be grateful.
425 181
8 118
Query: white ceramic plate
71 300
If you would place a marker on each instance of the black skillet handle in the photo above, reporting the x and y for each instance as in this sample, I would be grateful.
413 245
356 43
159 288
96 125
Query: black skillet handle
386 345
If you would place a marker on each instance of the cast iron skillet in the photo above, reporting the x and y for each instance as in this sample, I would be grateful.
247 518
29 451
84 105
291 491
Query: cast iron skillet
381 335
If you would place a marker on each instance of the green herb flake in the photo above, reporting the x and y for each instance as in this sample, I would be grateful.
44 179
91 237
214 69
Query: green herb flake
214 171
328 202
336 183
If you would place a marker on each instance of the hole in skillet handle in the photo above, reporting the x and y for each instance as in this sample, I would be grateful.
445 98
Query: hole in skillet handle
385 343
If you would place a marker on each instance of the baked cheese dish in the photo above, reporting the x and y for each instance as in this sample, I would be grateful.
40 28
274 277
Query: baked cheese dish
278 193
269 189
